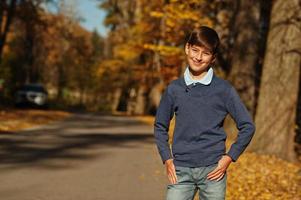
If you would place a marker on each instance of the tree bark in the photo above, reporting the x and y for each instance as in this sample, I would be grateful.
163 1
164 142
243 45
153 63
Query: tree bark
61 81
245 51
6 23
156 90
154 97
115 99
140 100
277 104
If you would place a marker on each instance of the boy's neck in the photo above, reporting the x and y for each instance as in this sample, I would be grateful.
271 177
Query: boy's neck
198 75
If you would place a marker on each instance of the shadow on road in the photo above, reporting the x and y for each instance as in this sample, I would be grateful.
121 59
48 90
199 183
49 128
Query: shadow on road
66 144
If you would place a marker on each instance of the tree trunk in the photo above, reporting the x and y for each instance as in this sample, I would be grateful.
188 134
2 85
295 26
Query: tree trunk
265 14
140 100
61 81
115 99
154 97
158 81
277 104
245 51
5 24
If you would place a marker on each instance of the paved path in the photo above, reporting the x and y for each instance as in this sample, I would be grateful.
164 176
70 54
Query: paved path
86 157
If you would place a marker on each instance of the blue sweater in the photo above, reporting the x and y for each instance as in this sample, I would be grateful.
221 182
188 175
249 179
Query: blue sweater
200 110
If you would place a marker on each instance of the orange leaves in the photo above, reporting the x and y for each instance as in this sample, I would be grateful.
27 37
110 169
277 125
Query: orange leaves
13 120
112 65
263 177
156 14
151 34
127 51
177 13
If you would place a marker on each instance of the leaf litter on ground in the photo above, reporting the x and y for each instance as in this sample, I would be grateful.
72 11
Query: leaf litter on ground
13 120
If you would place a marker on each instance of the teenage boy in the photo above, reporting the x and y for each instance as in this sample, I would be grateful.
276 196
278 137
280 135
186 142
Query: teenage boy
200 102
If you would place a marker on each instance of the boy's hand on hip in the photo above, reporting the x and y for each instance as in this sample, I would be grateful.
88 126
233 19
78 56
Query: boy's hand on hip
219 172
171 171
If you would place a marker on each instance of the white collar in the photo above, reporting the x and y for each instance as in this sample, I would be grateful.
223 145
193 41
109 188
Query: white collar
206 80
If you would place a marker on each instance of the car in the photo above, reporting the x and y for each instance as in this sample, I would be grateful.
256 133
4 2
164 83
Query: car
33 95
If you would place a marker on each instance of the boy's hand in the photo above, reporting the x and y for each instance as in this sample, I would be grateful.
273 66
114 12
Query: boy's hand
218 173
171 171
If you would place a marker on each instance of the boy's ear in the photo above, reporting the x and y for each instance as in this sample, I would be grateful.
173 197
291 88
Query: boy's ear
186 48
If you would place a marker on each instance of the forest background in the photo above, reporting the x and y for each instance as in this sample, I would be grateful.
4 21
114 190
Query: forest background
128 69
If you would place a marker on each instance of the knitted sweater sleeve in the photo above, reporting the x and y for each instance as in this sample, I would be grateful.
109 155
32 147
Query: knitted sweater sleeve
243 121
161 125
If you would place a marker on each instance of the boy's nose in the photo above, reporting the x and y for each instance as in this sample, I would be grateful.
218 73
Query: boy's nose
199 56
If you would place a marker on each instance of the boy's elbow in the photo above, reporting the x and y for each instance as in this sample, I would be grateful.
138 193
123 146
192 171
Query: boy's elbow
252 128
249 128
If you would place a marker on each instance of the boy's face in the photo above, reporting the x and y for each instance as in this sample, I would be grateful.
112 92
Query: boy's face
198 57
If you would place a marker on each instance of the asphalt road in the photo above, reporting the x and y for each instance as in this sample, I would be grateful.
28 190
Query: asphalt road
85 157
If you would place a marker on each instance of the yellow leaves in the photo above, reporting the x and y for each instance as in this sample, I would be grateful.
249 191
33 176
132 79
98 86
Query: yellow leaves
149 23
156 14
164 50
110 64
124 54
141 29
126 51
263 177
178 12
13 120
171 22
178 15
204 21
182 11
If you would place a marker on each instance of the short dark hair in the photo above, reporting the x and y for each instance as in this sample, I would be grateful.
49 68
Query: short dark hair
206 37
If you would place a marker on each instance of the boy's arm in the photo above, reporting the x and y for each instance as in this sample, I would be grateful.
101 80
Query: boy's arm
243 121
161 125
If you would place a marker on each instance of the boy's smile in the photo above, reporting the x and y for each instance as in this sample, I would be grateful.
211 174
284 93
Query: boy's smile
199 58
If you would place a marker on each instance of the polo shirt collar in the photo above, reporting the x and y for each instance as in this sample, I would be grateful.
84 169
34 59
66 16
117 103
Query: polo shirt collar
206 80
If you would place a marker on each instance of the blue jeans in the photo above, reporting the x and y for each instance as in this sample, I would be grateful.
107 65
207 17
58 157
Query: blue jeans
192 179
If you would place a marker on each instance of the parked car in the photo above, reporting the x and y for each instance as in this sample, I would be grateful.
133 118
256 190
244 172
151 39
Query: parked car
32 95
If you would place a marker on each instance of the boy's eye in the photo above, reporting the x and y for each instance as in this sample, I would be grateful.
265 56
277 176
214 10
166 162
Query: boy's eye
195 50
